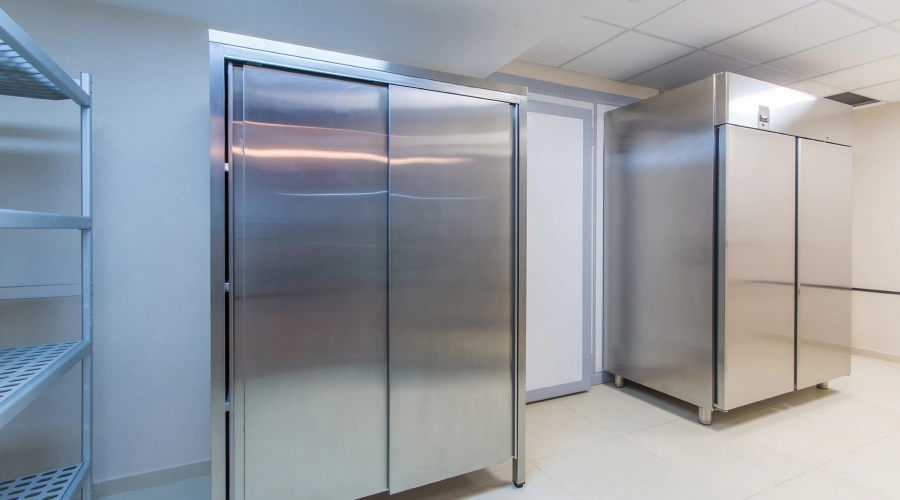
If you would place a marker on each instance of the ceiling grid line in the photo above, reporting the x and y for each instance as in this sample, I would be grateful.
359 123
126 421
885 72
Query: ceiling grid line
865 16
663 44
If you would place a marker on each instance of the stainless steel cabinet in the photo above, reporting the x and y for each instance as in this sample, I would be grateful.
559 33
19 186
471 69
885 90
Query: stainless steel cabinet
727 242
366 235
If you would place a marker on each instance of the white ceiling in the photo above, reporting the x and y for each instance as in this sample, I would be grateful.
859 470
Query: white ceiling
819 46
470 37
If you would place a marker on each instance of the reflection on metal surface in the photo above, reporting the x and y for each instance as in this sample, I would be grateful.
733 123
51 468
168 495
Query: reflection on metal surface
659 195
756 341
738 100
824 262
450 287
310 286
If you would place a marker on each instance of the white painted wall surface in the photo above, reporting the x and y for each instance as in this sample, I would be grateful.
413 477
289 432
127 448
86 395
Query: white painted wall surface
876 229
555 305
151 237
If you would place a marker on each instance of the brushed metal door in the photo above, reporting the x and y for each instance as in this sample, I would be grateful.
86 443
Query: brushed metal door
450 285
823 261
756 265
309 381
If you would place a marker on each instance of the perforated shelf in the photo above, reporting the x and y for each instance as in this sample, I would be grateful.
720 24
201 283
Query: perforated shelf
27 71
57 484
26 372
19 78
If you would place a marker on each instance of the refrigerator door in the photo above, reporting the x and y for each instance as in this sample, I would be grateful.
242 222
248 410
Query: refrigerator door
451 309
823 262
756 232
309 380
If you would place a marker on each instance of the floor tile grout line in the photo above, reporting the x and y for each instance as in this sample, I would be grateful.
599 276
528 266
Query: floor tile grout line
820 469
678 467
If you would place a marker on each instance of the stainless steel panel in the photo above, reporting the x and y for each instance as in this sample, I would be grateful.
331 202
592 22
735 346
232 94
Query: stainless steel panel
738 99
310 286
659 199
756 302
451 279
823 262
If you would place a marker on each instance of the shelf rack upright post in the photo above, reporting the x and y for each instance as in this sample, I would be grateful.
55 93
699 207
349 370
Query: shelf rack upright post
27 372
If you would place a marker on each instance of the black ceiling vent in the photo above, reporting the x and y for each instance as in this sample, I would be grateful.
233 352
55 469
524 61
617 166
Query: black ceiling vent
852 99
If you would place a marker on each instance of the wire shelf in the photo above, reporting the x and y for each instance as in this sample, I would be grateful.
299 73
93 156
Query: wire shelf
56 484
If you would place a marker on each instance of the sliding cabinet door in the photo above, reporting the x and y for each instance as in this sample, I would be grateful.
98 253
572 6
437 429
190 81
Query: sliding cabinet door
823 261
451 279
309 199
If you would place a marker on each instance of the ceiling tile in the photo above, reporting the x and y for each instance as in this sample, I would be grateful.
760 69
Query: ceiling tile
888 92
703 22
688 69
627 55
815 88
578 37
627 12
867 46
883 10
800 30
865 75
771 75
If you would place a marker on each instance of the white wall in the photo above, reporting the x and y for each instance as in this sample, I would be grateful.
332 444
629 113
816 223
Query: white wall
151 224
876 229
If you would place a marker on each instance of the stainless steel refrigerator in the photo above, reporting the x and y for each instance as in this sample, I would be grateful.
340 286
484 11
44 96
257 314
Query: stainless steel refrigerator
367 294
727 232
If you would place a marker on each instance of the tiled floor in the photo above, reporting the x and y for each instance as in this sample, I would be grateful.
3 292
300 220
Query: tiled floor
634 443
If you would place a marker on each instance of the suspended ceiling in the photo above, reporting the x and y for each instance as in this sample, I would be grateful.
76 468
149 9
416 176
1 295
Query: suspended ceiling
819 46
823 47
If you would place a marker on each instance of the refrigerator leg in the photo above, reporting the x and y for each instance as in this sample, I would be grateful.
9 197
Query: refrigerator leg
823 385
518 472
704 415
620 382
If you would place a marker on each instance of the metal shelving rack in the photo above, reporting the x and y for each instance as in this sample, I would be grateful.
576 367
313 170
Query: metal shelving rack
26 372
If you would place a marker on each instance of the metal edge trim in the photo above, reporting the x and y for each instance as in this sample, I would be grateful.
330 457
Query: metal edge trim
218 431
521 138
260 44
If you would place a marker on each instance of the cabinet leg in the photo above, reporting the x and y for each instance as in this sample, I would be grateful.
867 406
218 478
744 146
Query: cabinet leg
704 415
823 385
619 381
518 472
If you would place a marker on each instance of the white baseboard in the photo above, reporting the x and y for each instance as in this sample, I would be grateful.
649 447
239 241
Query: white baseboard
875 354
150 479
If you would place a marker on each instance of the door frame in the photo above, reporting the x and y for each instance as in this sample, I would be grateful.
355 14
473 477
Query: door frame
225 48
586 115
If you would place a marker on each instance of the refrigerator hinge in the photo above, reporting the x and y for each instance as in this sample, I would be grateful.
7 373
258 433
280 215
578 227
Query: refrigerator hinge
227 287
226 166
227 406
